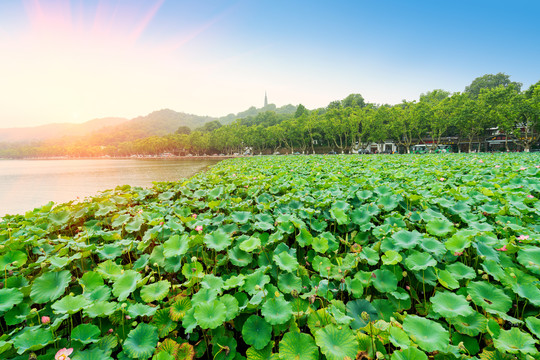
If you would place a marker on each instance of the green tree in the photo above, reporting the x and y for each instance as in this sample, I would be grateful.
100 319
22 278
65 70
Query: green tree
353 100
183 130
489 81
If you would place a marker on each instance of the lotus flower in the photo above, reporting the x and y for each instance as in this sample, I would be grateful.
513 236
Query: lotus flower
45 320
497 166
63 354
522 168
530 196
523 237
198 228
442 179
481 161
194 216
502 249
458 253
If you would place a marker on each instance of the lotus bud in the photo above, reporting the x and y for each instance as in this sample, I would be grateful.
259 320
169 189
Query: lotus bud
462 347
365 316
152 279
407 287
123 305
156 264
71 294
10 272
404 274
134 324
257 287
328 268
312 299
469 298
45 320
485 276
379 355
277 294
193 259
42 265
33 310
480 271
110 331
531 263
147 268
128 317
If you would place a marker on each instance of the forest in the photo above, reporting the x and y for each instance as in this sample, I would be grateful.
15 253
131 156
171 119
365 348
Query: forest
491 102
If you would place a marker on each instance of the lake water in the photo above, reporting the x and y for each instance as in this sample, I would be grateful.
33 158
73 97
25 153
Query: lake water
27 184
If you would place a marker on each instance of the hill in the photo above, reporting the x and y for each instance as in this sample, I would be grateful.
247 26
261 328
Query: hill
58 130
253 111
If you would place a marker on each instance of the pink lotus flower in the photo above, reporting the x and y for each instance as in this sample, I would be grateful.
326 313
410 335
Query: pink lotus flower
161 223
523 237
407 287
110 331
497 166
140 211
442 179
198 228
537 166
530 196
522 168
194 216
502 249
63 354
45 320
458 253
481 161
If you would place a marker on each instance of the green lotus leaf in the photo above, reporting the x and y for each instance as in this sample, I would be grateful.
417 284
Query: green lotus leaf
409 354
220 346
59 217
530 258
339 215
110 251
91 354
320 244
241 217
125 284
239 257
189 323
399 338
384 280
256 332
12 260
439 227
461 271
163 322
70 304
470 325
204 295
255 281
50 286
337 343
212 282
136 310
9 298
319 319
286 262
289 282
109 269
18 314
250 244
176 246
86 333
298 346
450 305
418 261
458 243
156 291
277 311
234 282
91 280
218 240
534 325
32 339
211 314
355 309
179 308
428 334
231 304
404 239
515 341
101 309
141 342
388 202
101 293
527 290
489 297
391 257
447 279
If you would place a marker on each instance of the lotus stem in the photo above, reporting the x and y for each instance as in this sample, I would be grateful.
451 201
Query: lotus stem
424 288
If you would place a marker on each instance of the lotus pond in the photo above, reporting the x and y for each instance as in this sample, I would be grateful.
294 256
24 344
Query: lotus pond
308 257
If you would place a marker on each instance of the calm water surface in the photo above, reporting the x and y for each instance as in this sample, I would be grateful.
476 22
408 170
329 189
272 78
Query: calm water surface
27 184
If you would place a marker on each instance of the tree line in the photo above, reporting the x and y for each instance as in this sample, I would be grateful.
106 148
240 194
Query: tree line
489 102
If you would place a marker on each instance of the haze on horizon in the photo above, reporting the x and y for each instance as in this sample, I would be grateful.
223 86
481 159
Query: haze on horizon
72 61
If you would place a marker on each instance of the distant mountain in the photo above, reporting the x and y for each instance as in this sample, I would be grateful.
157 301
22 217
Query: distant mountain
158 123
54 131
253 111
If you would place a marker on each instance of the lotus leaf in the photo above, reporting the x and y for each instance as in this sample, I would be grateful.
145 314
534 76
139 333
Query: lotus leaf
91 354
257 332
286 262
385 280
439 227
534 325
125 284
515 341
276 311
428 334
399 338
141 342
86 333
418 261
12 260
210 315
32 339
298 346
156 291
91 280
218 240
355 309
404 239
489 297
70 304
251 244
50 286
530 258
451 305
409 354
163 322
176 246
138 309
101 309
391 257
337 343
470 325
9 298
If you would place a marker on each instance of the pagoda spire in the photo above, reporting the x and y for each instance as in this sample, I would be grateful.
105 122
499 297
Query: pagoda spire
265 100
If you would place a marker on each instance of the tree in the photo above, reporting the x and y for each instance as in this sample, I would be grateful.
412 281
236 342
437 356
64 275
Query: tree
489 81
435 112
300 110
183 130
528 129
469 119
353 100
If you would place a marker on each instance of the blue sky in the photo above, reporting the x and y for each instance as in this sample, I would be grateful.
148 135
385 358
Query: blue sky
72 61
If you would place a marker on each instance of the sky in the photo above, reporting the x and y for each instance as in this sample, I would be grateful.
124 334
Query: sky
73 61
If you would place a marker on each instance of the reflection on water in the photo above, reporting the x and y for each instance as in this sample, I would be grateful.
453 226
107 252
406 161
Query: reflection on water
26 184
